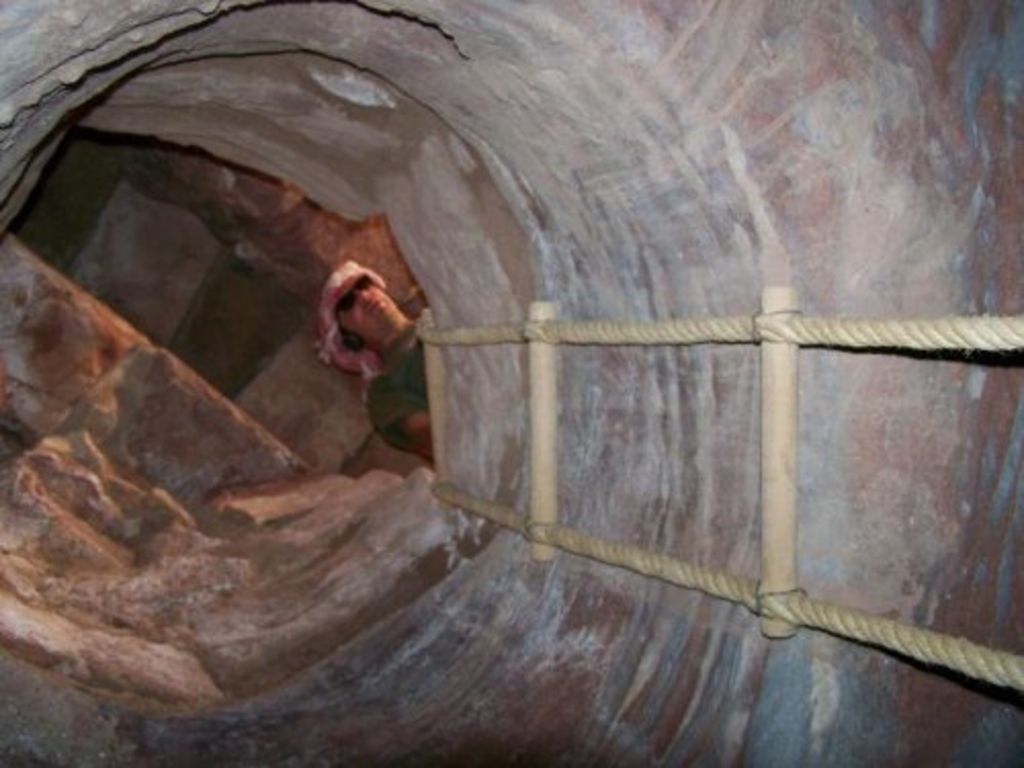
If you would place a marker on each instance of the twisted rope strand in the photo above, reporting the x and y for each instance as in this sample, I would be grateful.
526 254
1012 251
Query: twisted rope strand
509 333
984 333
969 333
956 653
705 330
688 575
496 513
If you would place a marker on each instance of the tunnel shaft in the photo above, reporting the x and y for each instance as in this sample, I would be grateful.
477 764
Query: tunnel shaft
629 161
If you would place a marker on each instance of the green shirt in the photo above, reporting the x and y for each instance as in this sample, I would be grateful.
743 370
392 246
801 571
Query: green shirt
399 392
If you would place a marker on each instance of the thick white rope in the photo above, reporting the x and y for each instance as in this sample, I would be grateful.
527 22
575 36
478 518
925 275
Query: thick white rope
687 575
511 333
496 513
972 333
716 583
983 333
948 333
955 653
723 330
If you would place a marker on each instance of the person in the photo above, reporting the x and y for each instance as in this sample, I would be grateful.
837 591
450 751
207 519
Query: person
363 331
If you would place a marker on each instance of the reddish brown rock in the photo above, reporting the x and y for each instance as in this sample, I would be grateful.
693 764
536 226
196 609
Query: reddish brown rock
329 558
37 523
70 507
341 556
72 520
377 453
56 340
109 661
265 504
273 226
314 409
146 259
154 416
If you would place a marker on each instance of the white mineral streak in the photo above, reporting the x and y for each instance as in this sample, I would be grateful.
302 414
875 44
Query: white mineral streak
354 87
825 694
775 262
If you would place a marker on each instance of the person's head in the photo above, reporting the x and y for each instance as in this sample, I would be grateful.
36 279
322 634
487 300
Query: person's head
357 320
368 317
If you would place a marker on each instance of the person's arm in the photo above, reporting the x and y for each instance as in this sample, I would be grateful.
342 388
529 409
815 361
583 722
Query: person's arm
397 406
402 421
416 428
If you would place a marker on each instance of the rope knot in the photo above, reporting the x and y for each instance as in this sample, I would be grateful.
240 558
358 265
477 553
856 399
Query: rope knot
535 531
760 596
770 326
534 330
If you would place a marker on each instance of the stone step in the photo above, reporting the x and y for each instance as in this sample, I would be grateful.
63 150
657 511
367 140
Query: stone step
155 416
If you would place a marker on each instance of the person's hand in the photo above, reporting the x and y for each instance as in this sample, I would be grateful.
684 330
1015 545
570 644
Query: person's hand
417 428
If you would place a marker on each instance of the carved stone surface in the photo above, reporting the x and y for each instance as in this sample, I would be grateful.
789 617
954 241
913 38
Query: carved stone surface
146 259
155 416
271 225
108 581
312 408
56 340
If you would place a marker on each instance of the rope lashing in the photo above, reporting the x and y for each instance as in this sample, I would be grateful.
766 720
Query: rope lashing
955 653
983 333
774 604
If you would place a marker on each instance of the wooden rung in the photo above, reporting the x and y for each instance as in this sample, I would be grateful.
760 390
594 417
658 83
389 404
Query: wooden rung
543 359
779 392
437 386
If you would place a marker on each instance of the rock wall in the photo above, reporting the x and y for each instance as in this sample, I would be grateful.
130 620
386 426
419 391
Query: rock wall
223 267
629 160
58 341
162 549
